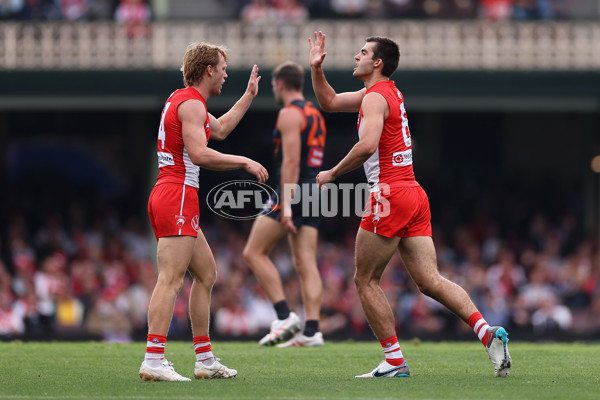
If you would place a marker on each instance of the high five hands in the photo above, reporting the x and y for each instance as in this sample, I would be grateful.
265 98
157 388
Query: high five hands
317 49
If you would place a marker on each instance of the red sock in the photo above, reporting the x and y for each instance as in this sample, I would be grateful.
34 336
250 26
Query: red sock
391 349
202 348
155 349
479 326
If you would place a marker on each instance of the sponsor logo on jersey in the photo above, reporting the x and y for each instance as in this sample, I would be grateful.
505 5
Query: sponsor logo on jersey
315 157
196 223
179 220
402 158
165 159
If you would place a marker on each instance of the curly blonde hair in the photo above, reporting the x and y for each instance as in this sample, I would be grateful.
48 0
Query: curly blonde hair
197 57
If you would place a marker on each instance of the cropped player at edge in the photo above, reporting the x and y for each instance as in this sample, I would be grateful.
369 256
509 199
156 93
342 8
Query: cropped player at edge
397 215
173 208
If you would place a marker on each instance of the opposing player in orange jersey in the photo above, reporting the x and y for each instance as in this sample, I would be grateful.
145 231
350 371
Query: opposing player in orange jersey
397 215
173 208
299 139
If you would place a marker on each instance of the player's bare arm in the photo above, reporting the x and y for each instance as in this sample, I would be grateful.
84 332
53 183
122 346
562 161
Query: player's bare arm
375 110
192 115
221 127
289 123
328 99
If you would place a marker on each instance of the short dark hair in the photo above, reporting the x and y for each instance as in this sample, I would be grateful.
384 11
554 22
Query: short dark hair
388 51
291 74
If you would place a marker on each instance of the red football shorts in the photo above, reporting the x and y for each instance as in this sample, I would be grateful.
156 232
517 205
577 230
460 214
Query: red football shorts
400 209
174 210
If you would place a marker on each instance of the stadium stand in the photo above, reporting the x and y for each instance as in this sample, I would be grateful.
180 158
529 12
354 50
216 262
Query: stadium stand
427 45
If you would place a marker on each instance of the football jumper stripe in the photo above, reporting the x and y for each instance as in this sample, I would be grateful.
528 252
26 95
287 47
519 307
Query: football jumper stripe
181 207
371 166
192 171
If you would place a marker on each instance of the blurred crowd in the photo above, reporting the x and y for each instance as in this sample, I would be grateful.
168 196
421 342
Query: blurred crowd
82 274
122 11
261 11
297 11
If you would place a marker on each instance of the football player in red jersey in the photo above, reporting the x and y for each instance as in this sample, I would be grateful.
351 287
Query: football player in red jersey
173 208
397 215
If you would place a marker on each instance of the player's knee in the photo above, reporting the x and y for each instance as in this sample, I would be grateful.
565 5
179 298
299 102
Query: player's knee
302 263
249 255
309 273
424 288
430 286
360 282
207 278
252 256
172 282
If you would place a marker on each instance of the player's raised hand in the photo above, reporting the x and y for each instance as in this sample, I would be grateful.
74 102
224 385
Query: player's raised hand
253 81
257 170
317 49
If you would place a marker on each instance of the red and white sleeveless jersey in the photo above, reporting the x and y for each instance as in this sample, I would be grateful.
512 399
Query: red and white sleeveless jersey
392 161
174 164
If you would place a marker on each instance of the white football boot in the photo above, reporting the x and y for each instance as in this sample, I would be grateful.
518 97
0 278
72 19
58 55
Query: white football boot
299 340
497 349
165 372
281 329
214 371
386 370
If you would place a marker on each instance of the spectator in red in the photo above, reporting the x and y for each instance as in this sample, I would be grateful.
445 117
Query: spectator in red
290 11
258 12
135 14
495 10
73 10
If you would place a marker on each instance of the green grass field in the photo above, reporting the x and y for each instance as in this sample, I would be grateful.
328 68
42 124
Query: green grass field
449 370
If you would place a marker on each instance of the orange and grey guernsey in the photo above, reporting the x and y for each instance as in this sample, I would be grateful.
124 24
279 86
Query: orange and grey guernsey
392 161
313 136
174 163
